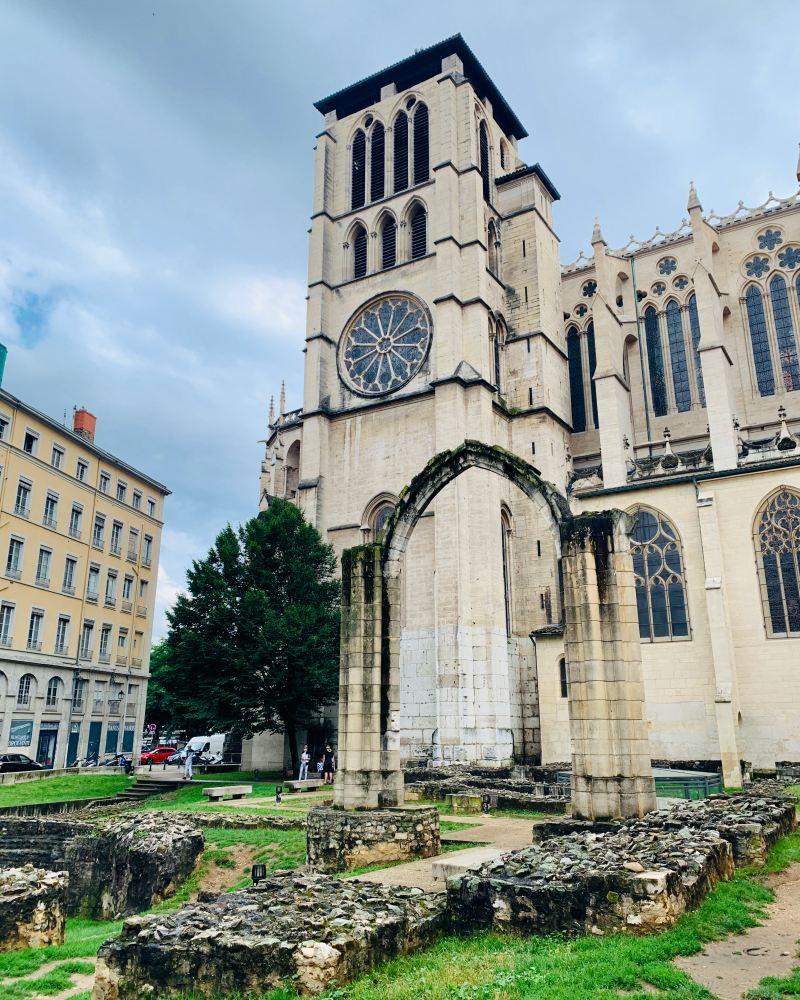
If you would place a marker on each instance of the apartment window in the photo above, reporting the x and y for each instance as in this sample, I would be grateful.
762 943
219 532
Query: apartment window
116 538
122 640
62 635
81 470
142 589
133 544
52 692
136 500
24 689
99 531
78 687
111 587
127 588
70 565
93 584
151 507
22 505
147 550
105 479
50 517
35 629
138 640
99 694
563 677
57 457
122 492
75 521
14 560
87 634
105 641
6 623
4 425
43 567
30 442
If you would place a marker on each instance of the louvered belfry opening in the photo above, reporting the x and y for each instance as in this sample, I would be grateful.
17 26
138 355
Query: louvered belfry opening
360 252
483 136
419 232
377 170
359 178
389 243
401 152
421 146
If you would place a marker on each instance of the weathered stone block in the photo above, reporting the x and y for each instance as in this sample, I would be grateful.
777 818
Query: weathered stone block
31 907
338 840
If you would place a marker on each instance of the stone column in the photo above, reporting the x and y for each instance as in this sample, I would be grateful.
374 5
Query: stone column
611 770
365 721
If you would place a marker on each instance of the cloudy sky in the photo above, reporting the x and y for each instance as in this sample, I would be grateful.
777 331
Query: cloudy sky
155 186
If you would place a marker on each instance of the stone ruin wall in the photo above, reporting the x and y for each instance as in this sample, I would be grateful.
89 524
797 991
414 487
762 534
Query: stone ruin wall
32 909
115 867
338 840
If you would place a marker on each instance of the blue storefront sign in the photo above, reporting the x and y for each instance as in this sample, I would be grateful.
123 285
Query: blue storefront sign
21 734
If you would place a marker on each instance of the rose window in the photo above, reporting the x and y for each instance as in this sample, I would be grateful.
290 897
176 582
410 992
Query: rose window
385 344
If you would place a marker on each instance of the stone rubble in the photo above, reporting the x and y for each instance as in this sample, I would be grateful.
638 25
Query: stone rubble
463 787
338 840
116 865
31 907
314 930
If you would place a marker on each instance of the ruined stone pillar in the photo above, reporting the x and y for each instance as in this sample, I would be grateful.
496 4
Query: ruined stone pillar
611 770
366 777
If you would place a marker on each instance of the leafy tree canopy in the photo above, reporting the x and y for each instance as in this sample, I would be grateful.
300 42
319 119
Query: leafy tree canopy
253 646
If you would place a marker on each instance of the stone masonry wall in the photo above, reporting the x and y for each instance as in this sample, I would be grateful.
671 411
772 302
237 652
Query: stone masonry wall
337 841
116 866
31 907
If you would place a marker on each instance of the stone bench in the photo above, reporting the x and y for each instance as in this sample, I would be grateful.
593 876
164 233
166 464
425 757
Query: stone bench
228 792
309 785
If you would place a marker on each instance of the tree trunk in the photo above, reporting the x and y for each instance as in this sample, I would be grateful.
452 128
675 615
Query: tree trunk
291 734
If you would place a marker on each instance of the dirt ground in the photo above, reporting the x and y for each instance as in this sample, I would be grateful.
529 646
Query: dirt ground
731 968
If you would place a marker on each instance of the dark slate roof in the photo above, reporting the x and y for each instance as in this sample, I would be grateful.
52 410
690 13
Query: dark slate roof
524 172
423 65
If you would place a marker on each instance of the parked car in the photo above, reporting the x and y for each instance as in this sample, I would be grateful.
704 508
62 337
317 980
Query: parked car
18 762
157 755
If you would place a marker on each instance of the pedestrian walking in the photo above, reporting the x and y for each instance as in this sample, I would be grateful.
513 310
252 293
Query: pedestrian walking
328 764
188 764
305 760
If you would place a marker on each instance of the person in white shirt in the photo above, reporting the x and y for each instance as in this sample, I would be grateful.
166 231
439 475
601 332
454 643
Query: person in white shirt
305 760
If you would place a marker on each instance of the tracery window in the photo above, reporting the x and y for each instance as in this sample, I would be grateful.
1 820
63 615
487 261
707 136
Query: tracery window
659 575
777 541
400 134
483 144
784 333
592 356
677 357
575 363
359 170
694 327
655 361
388 243
757 322
419 232
359 252
421 145
380 519
376 159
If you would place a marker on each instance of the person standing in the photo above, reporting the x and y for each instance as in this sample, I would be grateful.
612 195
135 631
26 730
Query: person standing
305 760
328 764
188 764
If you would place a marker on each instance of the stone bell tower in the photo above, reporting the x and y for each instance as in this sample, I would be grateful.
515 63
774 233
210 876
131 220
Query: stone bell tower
434 317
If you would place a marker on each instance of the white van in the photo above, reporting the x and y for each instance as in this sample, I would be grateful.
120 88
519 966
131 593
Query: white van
212 745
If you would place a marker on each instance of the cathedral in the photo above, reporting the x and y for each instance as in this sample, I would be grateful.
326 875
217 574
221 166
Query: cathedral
661 378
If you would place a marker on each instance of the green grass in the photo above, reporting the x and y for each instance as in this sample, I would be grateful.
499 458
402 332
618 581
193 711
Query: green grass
62 789
82 939
447 810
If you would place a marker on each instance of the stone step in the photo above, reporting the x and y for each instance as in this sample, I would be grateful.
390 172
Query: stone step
458 862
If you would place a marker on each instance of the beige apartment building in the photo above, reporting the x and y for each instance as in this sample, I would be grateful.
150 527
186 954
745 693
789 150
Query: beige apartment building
661 378
79 541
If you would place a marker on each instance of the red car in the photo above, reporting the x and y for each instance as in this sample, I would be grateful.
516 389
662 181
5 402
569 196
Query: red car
157 755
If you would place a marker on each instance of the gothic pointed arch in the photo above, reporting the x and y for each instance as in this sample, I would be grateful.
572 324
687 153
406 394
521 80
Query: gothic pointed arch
575 366
759 339
483 155
776 536
422 155
377 160
358 170
417 225
359 243
694 329
785 335
659 573
387 231
376 516
493 247
677 356
655 361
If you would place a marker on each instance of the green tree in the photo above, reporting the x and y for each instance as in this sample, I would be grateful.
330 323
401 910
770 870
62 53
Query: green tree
253 646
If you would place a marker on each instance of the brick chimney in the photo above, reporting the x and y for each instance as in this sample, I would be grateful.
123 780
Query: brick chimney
84 423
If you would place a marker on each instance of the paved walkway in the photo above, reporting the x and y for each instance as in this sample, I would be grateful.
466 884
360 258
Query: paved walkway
499 833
